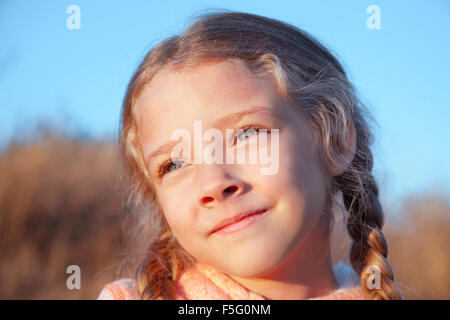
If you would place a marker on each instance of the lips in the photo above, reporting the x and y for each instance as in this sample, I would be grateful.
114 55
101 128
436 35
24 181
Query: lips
228 222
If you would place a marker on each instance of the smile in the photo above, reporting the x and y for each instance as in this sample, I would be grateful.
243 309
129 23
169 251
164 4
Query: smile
240 224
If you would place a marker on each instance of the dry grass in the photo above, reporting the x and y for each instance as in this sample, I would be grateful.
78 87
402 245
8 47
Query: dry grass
419 250
60 204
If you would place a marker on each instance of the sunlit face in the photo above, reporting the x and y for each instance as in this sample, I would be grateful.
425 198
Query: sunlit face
195 197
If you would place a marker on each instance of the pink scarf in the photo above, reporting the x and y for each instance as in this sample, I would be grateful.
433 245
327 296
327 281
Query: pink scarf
202 282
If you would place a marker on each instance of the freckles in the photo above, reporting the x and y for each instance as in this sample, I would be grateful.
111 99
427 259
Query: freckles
302 147
291 163
179 224
176 207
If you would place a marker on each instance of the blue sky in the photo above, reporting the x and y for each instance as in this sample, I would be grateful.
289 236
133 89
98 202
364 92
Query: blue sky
78 77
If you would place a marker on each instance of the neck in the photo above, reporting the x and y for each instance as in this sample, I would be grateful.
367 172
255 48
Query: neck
306 273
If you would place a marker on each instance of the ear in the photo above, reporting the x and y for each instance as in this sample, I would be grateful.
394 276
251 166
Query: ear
341 161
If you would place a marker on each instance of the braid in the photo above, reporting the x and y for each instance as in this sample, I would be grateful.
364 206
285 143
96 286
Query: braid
366 218
165 260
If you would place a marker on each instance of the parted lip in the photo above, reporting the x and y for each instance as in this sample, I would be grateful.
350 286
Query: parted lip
236 218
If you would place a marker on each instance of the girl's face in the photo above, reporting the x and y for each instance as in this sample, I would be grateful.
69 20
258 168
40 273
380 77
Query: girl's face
196 197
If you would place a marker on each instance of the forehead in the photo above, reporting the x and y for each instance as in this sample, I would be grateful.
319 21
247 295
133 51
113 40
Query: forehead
176 98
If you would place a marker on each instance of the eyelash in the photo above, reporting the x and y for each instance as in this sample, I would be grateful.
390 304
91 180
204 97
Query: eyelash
165 164
163 167
256 127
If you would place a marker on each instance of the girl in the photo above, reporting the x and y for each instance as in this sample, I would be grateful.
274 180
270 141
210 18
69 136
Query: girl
224 230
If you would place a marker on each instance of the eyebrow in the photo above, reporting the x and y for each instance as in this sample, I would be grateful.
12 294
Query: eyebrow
221 123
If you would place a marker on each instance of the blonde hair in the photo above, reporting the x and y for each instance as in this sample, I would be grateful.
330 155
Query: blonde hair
308 76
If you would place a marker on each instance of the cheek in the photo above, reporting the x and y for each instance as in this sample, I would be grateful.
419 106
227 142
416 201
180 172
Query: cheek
183 224
310 182
175 209
299 180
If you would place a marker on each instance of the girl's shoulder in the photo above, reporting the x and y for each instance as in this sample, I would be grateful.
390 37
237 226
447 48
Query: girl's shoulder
348 284
126 289
355 293
122 289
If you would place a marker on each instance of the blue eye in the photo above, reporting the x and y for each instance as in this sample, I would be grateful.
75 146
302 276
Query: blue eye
243 133
169 166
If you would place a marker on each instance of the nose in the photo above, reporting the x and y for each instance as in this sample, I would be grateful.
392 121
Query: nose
218 185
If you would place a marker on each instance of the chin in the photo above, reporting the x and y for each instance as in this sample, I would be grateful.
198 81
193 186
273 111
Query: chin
252 264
